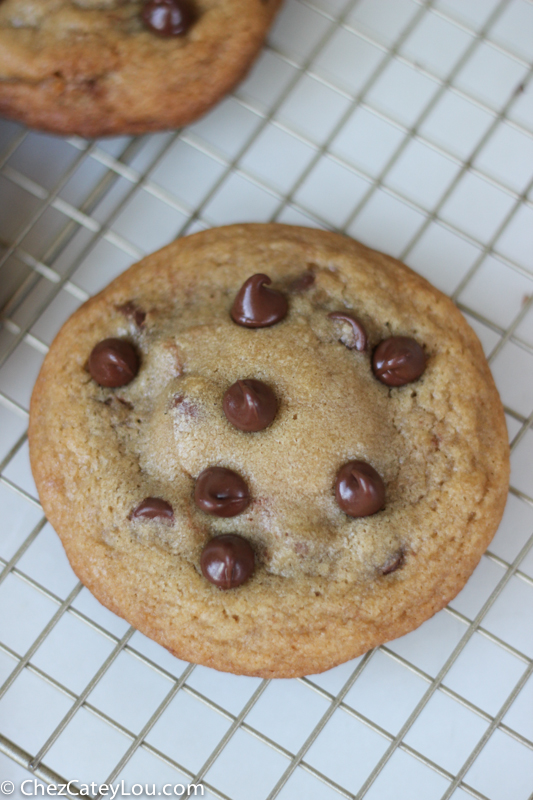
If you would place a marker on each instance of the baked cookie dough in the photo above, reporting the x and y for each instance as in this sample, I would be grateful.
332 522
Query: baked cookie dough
106 67
270 448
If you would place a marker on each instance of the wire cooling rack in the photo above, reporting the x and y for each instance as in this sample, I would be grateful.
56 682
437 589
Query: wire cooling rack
408 125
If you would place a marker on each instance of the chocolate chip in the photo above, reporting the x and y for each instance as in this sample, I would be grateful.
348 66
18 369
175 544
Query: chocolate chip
393 563
221 492
256 306
359 489
358 338
133 312
113 362
168 17
227 561
398 360
153 508
250 405
302 283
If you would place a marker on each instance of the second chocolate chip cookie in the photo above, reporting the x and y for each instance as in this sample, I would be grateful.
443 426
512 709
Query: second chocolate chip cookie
107 67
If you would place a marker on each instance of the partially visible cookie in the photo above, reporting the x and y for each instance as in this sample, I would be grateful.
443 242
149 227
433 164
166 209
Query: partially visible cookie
105 67
270 448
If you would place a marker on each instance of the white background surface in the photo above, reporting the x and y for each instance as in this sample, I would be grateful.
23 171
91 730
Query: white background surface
408 125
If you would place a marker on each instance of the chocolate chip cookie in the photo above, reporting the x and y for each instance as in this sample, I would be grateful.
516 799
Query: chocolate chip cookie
270 448
106 67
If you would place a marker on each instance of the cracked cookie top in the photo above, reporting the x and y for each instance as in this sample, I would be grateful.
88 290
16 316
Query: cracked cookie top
104 67
270 448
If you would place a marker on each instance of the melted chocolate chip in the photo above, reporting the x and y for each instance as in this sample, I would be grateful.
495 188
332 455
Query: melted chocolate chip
185 406
250 405
125 403
302 283
358 338
256 306
398 360
168 17
133 312
153 508
221 492
227 561
113 362
396 561
359 489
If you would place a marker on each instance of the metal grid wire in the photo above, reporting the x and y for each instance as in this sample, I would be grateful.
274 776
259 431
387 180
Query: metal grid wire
44 284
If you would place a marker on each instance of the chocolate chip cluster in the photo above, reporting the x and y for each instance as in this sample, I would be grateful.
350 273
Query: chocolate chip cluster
251 406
